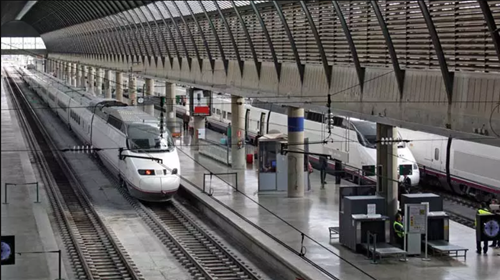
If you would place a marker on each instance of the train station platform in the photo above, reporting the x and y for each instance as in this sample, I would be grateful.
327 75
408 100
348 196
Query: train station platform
22 217
285 219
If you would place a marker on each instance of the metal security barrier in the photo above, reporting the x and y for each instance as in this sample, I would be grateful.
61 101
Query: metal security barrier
216 151
26 184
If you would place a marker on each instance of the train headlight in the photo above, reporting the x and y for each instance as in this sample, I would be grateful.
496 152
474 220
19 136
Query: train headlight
146 172
174 171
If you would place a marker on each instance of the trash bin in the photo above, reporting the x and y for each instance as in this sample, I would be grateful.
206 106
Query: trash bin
249 158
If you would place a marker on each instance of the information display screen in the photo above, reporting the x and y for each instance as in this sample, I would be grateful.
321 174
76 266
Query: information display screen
200 102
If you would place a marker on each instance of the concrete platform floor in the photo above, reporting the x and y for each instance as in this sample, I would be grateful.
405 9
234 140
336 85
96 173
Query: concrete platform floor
317 211
29 222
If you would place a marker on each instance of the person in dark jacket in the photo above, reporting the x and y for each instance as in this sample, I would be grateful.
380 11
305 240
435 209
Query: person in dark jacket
323 164
185 120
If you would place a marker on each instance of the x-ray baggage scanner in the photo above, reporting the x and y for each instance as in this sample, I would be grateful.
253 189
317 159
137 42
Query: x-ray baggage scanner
273 165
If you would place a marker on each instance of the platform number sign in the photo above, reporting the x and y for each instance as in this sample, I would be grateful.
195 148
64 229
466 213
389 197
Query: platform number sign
8 250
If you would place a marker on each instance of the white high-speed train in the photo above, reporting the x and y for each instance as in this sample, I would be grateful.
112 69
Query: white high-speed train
132 146
463 167
353 140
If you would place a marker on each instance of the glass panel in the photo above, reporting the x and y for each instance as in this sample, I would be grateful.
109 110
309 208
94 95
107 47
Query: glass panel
146 138
5 43
29 43
16 43
39 43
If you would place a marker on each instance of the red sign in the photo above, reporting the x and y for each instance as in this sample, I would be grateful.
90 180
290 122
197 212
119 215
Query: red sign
202 110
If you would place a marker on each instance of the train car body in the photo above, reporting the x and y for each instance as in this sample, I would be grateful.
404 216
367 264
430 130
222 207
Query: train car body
352 141
463 167
133 148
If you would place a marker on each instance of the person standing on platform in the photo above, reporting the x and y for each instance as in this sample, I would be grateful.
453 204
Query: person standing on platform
185 120
323 162
399 230
482 210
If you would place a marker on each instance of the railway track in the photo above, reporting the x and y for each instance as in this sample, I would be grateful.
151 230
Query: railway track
91 247
198 251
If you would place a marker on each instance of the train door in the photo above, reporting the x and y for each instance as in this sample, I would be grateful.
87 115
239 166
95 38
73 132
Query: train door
262 123
436 152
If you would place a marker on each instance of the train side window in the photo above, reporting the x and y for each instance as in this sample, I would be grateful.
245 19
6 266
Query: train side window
228 115
218 111
436 154
224 114
117 123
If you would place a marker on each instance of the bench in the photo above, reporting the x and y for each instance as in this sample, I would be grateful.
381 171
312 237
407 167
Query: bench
444 248
383 250
334 232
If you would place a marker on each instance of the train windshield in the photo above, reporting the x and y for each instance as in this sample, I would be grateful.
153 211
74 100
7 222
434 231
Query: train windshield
146 138
368 131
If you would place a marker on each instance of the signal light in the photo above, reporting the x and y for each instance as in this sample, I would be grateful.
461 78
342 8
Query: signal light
146 172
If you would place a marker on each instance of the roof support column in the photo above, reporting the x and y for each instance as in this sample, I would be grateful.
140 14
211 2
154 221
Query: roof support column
107 83
295 160
60 70
132 90
172 124
119 86
387 181
90 80
237 132
150 87
68 73
198 123
98 81
74 67
81 75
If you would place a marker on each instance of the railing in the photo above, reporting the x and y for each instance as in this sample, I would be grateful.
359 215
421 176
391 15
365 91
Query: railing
216 151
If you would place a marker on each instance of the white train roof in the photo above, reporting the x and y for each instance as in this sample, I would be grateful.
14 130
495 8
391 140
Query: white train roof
130 114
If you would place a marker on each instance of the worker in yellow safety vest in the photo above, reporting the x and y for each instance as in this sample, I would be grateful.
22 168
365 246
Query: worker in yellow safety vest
482 210
399 229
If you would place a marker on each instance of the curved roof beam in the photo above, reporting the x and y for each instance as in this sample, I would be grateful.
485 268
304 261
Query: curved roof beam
186 52
241 63
327 68
126 36
164 41
447 75
249 39
225 62
205 42
129 10
291 40
116 48
400 74
277 65
89 20
179 58
119 30
200 61
123 10
147 32
492 27
359 70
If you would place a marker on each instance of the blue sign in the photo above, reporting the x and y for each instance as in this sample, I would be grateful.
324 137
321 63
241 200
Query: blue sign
8 250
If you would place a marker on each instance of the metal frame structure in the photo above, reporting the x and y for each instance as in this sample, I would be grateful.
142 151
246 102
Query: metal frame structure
121 30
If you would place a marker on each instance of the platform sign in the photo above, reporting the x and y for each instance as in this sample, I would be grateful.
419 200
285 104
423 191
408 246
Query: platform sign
417 218
8 249
200 102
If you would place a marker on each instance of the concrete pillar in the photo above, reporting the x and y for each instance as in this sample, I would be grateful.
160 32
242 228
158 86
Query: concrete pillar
68 73
119 86
79 75
171 121
199 123
90 80
387 185
61 71
74 69
237 132
132 90
295 160
98 81
107 83
150 88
